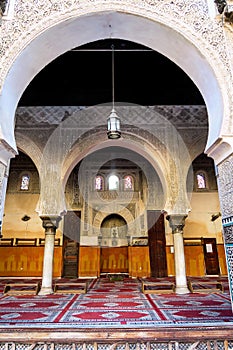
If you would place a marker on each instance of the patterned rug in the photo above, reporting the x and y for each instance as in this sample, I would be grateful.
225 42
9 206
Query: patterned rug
114 305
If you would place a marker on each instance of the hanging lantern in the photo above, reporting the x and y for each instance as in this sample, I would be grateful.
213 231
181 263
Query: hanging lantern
113 122
114 130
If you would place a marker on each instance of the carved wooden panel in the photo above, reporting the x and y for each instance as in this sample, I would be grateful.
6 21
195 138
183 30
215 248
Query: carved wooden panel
139 262
89 261
27 261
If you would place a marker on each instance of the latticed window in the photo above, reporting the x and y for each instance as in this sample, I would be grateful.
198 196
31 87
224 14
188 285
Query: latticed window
201 180
99 183
113 182
128 182
25 181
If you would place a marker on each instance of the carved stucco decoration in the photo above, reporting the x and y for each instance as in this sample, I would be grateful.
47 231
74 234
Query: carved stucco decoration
186 17
225 181
228 34
121 210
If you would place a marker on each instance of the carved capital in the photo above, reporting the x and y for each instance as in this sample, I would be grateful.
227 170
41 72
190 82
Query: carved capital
176 222
50 223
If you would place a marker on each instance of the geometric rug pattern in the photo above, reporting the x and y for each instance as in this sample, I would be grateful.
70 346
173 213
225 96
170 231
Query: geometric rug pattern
114 305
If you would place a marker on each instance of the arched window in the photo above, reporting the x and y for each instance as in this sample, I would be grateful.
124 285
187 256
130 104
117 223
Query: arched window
25 182
113 182
201 180
128 183
99 183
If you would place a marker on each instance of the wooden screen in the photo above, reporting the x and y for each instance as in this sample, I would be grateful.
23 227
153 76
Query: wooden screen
157 243
114 259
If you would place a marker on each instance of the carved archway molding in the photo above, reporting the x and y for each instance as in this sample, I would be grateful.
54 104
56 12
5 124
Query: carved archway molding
29 42
221 149
118 209
26 145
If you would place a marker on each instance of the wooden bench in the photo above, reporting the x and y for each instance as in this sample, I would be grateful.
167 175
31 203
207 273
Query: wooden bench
158 287
208 287
21 288
70 288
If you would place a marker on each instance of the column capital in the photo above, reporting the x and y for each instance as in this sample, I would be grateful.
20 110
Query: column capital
176 222
221 149
6 151
50 222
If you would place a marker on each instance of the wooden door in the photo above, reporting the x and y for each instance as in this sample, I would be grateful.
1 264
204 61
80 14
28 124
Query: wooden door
211 256
157 243
71 238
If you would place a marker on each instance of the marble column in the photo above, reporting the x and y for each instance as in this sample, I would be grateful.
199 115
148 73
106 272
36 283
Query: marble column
177 223
3 186
50 225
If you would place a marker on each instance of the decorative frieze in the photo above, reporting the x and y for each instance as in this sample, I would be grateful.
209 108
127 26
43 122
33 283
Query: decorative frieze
41 116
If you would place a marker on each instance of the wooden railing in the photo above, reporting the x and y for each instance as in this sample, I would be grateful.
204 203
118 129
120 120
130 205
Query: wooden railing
32 242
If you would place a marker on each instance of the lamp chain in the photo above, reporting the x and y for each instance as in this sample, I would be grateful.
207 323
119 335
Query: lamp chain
113 81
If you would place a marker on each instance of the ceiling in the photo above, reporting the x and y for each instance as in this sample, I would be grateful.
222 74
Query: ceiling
83 77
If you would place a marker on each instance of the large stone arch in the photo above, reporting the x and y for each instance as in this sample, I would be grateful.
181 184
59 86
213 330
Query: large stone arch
139 134
164 26
97 140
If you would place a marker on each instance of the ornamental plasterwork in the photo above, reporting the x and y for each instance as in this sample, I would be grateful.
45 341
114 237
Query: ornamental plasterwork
228 234
225 170
189 18
229 33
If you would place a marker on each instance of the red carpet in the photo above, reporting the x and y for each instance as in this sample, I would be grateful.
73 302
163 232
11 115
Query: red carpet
114 305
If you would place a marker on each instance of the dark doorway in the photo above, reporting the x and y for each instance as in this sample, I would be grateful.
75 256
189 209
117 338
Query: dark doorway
211 256
157 243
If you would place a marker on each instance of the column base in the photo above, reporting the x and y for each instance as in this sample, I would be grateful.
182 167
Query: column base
45 291
182 290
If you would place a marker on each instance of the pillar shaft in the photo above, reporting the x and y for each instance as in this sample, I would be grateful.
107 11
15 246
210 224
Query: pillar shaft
177 224
50 225
3 186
